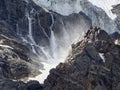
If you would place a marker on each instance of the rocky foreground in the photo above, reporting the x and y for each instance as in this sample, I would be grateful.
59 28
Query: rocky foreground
93 64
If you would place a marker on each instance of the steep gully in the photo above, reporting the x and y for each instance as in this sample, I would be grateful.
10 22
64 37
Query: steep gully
47 34
53 43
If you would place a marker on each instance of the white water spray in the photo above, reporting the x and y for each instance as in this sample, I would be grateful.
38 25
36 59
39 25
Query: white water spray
53 44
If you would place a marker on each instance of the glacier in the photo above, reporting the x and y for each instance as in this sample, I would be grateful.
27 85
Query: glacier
106 5
67 7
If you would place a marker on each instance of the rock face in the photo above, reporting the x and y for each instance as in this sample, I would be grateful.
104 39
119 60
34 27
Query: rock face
24 29
116 10
16 17
30 24
93 64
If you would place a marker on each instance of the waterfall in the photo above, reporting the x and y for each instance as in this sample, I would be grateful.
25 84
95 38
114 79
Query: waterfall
17 29
45 53
66 34
31 39
53 44
59 43
30 29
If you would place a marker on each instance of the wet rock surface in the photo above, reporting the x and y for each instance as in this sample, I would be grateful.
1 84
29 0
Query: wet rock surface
93 64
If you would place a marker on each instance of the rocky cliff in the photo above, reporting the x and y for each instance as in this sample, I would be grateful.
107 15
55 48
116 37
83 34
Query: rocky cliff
31 34
93 64
28 35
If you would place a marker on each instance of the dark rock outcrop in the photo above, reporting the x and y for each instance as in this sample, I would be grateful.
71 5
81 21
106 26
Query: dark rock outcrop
34 85
6 84
93 64
14 60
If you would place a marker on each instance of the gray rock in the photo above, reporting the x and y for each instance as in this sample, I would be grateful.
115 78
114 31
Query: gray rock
84 68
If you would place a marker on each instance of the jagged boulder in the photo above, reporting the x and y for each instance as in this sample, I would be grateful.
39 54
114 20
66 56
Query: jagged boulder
93 64
33 85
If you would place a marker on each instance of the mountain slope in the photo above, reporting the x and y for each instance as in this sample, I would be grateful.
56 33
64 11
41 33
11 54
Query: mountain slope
93 64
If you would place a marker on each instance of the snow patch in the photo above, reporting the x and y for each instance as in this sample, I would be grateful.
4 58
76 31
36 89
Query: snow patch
45 72
117 42
6 46
102 56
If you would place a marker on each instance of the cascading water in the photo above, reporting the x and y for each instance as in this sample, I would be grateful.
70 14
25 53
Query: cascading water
31 39
53 44
59 46
30 28
66 34
17 29
59 42
66 26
